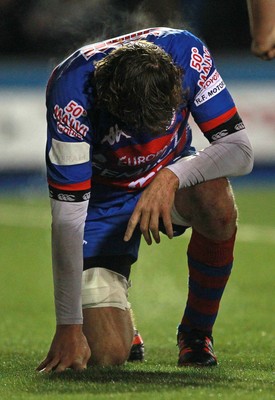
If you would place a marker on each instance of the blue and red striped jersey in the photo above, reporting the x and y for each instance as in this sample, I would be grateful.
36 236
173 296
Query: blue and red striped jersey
85 145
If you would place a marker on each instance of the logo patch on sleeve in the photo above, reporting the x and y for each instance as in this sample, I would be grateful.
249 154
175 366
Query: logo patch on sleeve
64 153
211 87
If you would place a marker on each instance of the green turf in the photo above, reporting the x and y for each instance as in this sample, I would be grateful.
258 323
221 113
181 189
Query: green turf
244 332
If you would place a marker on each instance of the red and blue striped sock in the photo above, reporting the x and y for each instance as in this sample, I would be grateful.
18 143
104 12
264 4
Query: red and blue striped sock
210 263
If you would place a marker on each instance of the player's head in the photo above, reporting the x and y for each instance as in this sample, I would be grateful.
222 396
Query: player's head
139 83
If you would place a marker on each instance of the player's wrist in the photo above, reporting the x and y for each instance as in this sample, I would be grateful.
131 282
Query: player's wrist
69 328
171 178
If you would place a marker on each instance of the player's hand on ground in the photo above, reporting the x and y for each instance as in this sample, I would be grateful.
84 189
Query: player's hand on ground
155 203
69 349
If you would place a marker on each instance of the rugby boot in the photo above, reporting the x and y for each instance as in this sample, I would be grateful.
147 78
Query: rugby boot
195 349
137 349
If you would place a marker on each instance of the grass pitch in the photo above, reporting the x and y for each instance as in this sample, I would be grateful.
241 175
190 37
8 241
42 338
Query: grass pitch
244 331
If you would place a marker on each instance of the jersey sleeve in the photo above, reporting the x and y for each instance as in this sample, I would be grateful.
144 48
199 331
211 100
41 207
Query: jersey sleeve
209 100
213 109
68 148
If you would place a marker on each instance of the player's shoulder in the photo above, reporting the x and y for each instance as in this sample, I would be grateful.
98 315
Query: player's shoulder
70 79
174 36
178 43
163 36
75 64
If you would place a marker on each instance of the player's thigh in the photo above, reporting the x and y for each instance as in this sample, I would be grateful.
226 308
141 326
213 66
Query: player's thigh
105 227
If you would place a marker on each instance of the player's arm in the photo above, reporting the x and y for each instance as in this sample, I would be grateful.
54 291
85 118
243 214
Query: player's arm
262 27
69 177
227 156
69 348
229 152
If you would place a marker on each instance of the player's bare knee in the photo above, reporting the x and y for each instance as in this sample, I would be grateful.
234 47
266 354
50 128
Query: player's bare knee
209 207
108 348
219 218
113 354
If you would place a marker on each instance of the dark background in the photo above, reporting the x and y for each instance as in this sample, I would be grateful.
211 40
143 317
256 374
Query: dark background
35 35
39 28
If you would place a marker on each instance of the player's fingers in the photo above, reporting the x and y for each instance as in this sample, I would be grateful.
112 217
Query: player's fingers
167 222
49 365
144 226
76 365
271 54
263 56
41 367
147 236
154 226
61 367
263 53
133 221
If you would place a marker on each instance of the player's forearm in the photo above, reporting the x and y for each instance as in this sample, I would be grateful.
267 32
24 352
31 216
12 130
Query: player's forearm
261 18
67 258
229 156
